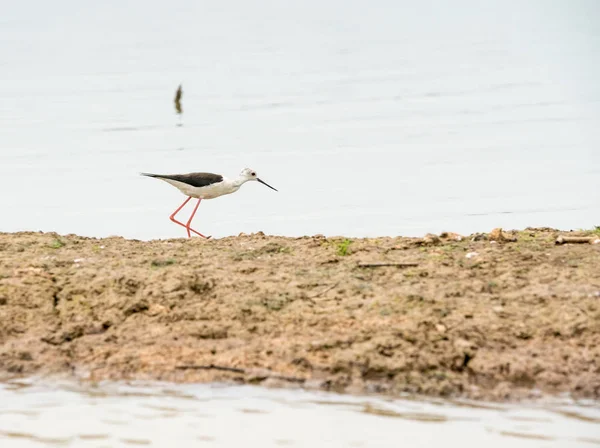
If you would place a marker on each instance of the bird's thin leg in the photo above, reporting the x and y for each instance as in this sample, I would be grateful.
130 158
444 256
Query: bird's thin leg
172 218
190 221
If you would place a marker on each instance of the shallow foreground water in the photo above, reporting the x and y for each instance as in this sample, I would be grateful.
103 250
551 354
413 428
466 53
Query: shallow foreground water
34 413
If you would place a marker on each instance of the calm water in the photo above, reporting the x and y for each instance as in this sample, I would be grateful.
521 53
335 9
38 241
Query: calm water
34 414
371 118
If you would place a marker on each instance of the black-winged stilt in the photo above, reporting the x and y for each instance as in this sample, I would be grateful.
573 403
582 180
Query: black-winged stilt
204 186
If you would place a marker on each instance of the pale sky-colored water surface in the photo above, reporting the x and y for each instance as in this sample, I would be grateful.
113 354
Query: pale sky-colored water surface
371 118
35 414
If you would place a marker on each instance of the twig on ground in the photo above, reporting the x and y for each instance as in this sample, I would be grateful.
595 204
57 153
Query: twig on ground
575 239
258 374
401 264
211 367
326 290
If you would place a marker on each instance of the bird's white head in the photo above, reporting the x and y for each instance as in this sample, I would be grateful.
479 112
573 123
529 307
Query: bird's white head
248 174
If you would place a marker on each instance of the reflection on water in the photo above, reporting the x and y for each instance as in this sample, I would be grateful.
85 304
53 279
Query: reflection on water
37 413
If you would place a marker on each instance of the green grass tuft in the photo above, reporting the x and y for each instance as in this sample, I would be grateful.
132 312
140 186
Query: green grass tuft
57 244
342 247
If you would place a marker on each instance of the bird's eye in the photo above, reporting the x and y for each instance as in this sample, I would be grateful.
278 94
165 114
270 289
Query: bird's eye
254 174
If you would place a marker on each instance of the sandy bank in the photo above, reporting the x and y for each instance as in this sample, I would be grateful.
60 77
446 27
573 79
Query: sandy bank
475 318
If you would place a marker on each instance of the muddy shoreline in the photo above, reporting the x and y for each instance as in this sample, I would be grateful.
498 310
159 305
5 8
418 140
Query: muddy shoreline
499 316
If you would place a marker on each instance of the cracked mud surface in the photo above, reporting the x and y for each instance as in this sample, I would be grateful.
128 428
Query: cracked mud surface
479 319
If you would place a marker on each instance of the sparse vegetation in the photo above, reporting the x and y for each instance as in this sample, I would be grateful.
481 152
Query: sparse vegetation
342 247
594 230
57 243
525 236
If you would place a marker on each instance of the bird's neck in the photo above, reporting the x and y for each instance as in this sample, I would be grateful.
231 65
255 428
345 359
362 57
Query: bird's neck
239 181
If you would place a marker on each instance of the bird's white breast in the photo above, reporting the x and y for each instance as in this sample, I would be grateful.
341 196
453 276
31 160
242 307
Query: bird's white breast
209 192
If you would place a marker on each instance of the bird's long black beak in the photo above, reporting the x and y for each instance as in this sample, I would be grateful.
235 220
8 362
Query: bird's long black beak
264 183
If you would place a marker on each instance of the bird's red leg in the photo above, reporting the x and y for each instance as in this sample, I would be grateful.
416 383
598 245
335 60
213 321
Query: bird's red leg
172 218
190 221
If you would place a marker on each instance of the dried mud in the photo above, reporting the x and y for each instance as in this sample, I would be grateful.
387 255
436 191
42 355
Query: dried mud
474 318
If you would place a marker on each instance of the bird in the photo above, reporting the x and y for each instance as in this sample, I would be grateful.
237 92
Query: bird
204 186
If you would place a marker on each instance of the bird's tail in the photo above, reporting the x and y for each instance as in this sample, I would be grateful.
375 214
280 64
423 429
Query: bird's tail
149 174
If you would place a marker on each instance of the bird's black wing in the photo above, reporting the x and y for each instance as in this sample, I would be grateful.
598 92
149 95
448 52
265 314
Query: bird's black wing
193 179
